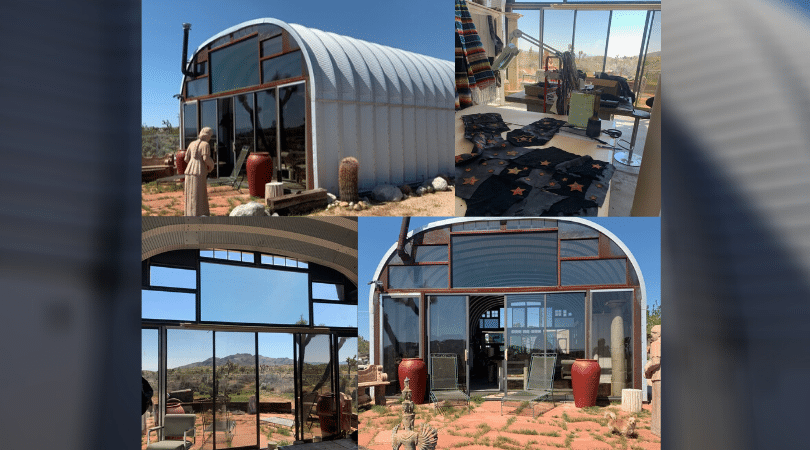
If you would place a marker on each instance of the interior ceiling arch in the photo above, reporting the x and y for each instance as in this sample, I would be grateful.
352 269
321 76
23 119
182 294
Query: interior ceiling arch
327 241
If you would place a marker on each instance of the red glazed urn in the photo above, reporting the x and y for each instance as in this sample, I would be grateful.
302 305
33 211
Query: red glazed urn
174 406
180 161
416 370
585 381
259 172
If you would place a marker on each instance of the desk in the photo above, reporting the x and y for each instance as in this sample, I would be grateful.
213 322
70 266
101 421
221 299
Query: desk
517 119
535 104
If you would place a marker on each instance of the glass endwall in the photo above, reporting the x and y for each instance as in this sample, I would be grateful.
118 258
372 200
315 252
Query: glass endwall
235 405
448 332
317 406
612 332
276 388
400 329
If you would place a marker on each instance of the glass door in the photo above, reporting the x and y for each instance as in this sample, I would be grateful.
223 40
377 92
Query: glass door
611 337
235 387
226 151
448 334
400 326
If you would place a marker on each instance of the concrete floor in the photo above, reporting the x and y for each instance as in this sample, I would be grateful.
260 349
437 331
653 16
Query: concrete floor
623 183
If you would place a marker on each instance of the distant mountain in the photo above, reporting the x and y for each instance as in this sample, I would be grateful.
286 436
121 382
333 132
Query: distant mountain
241 359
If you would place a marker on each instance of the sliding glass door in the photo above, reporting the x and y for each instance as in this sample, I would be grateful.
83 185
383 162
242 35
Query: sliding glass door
448 316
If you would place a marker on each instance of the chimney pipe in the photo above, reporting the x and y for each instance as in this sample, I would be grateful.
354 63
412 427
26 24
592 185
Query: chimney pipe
184 68
403 232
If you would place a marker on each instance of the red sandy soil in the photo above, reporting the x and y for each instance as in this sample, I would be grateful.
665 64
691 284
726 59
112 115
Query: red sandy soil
167 200
563 426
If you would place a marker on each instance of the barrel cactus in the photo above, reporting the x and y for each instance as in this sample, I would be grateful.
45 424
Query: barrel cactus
348 179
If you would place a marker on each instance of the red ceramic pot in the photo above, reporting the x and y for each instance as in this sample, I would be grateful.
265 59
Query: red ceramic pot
180 161
259 172
416 370
174 406
585 381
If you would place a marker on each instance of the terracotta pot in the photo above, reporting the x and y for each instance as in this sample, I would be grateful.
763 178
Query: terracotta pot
174 406
585 381
259 172
416 370
180 162
326 414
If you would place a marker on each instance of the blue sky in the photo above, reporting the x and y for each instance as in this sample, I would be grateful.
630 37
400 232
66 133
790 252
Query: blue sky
627 28
642 235
421 26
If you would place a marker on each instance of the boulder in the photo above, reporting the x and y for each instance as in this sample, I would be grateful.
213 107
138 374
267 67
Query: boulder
331 197
439 184
249 209
386 193
406 189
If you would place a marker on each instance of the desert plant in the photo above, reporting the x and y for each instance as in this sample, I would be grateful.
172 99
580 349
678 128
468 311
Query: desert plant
348 179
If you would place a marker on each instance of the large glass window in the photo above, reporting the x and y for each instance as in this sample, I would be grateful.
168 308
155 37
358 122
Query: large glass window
410 277
172 277
590 39
208 118
612 331
400 328
316 385
235 386
651 68
289 65
190 382
165 305
243 121
430 253
592 272
235 66
266 122
335 315
293 117
272 46
505 260
448 329
253 295
197 88
190 130
149 371
626 31
579 248
276 387
558 30
347 362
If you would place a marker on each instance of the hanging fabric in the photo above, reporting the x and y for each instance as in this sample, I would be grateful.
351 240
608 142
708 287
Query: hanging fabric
475 81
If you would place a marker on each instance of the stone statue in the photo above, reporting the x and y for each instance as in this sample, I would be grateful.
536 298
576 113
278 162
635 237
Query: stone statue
199 163
652 370
408 438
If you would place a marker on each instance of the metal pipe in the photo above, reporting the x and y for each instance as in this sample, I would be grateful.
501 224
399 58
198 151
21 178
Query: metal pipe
184 68
403 232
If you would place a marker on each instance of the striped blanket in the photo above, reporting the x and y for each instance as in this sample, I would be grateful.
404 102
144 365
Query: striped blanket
474 75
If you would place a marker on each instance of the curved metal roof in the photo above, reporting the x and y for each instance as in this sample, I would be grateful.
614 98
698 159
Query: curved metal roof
349 69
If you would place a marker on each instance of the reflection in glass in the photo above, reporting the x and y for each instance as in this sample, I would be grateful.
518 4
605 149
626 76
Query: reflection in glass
243 121
253 295
197 88
347 356
512 260
527 63
189 124
289 65
407 277
168 305
591 272
208 118
400 335
276 386
235 66
448 329
266 123
316 375
334 315
430 253
171 277
271 46
224 129
570 230
292 102
579 248
149 371
235 387
327 291
589 41
190 379
611 331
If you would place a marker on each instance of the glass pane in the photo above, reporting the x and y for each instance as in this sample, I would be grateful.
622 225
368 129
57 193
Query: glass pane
197 88
615 250
527 63
430 253
626 31
565 331
189 123
510 260
235 389
266 122
291 262
253 295
289 65
579 247
611 328
276 387
243 121
522 338
235 66
600 271
234 256
170 277
221 254
408 277
316 386
225 150
149 371
168 305
190 381
448 330
292 100
327 291
208 253
589 42
335 315
530 224
272 46
347 356
570 230
400 335
651 71
558 29
208 118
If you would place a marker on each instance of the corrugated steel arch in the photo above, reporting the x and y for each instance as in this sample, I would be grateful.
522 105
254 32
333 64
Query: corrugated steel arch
390 108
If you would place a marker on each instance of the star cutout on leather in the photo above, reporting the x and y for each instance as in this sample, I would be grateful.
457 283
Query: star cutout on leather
593 197
576 187
514 171
552 184
512 153
545 163
524 139
459 158
596 166
468 169
470 180
517 191
599 185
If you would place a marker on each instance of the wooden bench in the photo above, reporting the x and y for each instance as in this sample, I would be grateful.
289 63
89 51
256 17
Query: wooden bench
372 376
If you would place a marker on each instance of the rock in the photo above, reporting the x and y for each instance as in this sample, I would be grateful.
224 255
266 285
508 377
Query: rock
439 184
386 193
249 209
275 214
366 200
421 190
363 205
331 198
406 189
351 204
357 207
344 204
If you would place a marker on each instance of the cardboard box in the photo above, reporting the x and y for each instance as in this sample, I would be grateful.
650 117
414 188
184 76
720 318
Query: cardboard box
535 90
607 86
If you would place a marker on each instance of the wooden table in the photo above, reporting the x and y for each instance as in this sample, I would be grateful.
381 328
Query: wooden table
579 145
535 104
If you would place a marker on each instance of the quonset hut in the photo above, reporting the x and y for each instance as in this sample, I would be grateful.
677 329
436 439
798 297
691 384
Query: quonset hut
310 98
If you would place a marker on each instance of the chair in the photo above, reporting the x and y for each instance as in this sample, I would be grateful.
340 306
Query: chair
309 403
174 426
444 379
237 167
540 383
